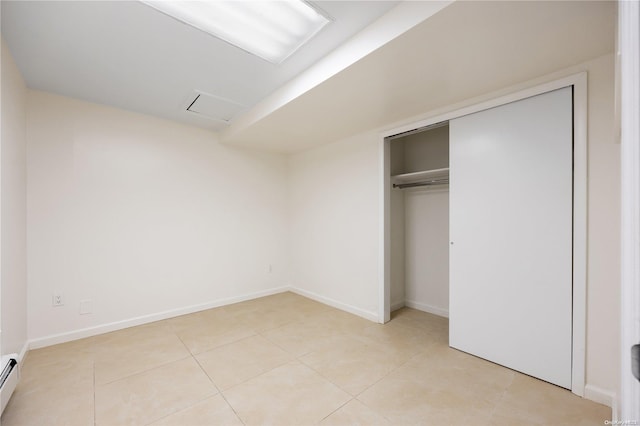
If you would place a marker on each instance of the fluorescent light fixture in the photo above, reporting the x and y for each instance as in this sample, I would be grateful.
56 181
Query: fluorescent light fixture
272 29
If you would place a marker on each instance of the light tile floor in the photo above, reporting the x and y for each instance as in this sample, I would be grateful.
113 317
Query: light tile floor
282 360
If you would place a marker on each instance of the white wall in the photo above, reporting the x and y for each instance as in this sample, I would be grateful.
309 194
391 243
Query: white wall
143 216
427 249
13 166
603 273
335 211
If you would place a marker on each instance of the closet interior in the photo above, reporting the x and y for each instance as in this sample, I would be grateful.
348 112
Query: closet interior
419 168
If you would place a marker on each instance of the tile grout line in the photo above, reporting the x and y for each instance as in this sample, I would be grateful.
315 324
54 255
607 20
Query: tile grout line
389 372
504 393
178 411
322 419
257 334
206 374
220 392
220 346
214 385
232 408
356 397
183 344
375 411
145 371
237 341
280 347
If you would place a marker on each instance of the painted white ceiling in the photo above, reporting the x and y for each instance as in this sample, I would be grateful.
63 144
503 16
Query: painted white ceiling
123 54
129 55
466 50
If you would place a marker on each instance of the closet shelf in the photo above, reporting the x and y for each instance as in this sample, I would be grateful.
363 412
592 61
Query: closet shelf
425 177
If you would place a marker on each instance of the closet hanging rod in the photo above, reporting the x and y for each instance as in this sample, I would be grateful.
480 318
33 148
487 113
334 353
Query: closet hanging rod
421 183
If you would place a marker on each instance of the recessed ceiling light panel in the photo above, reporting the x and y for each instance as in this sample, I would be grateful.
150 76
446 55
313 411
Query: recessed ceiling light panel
271 29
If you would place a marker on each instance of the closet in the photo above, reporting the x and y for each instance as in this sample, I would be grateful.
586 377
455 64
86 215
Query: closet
481 229
420 219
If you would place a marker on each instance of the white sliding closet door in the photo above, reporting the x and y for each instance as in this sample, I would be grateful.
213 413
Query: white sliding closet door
511 235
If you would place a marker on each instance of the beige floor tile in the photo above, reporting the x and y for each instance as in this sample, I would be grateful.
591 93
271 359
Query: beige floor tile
261 320
149 396
292 394
340 321
213 318
443 385
446 368
408 373
274 311
405 401
288 300
402 338
52 394
64 374
275 318
89 349
532 401
237 362
355 413
213 411
204 338
119 338
422 320
116 361
61 408
302 337
77 351
354 365
302 306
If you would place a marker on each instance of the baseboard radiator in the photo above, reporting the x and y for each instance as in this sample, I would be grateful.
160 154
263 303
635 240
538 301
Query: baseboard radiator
8 378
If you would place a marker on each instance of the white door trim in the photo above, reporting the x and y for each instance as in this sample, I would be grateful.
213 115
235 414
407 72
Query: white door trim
629 50
579 83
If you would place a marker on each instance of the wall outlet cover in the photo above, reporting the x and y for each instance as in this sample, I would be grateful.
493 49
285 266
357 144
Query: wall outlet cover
57 300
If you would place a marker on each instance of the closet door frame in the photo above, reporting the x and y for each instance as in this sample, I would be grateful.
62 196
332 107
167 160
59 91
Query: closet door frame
579 84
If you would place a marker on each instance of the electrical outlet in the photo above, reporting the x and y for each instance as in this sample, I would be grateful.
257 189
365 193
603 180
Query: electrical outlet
57 299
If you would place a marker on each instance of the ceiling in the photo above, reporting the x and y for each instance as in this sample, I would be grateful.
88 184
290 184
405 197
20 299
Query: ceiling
131 56
466 50
127 55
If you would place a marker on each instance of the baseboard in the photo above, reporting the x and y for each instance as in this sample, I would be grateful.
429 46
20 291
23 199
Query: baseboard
23 353
371 316
427 308
145 319
601 396
615 413
397 305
